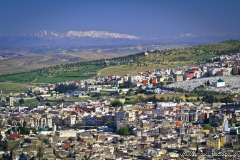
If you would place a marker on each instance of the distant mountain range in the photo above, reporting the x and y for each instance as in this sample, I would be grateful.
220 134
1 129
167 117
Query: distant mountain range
81 34
99 38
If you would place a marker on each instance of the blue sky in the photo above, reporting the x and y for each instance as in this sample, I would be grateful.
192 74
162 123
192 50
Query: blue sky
151 18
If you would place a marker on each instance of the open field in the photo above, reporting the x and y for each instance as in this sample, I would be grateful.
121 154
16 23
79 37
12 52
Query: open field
35 61
14 60
124 69
8 87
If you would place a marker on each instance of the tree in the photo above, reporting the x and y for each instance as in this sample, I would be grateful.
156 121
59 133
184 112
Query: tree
128 93
117 104
7 99
207 127
47 104
124 130
40 153
154 99
34 130
208 99
21 101
198 99
226 100
111 124
208 83
162 99
197 150
150 81
141 98
24 130
24 123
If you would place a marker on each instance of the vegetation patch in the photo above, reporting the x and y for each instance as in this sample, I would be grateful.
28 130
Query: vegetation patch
48 75
8 87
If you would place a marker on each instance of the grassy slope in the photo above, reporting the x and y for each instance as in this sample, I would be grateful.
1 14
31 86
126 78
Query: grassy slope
34 77
175 58
8 87
124 69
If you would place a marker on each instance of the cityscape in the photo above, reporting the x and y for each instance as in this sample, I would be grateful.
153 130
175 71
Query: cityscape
157 88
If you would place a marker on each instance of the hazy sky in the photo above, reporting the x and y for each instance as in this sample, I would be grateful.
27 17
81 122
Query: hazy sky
152 18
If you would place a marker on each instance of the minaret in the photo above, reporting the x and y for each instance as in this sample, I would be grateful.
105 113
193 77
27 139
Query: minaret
54 128
11 100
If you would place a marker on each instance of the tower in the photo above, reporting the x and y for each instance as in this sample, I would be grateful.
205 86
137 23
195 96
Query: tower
225 126
54 128
11 100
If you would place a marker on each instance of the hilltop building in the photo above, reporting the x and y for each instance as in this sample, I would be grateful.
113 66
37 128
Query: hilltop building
219 83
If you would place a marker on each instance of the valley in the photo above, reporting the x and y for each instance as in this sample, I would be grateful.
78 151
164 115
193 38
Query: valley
15 59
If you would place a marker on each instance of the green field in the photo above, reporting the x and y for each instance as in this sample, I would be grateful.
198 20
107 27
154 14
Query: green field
124 69
8 87
35 77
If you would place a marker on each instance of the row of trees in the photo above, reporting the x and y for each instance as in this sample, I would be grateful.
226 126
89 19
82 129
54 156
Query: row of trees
212 99
64 88
155 99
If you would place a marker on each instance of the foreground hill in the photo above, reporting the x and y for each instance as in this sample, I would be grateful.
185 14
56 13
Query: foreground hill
127 64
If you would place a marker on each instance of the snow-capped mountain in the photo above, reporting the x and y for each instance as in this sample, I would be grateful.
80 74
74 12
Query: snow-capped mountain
70 38
99 34
100 38
81 34
46 33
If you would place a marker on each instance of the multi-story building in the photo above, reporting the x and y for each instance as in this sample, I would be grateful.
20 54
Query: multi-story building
216 142
11 101
178 77
99 120
120 115
70 120
89 119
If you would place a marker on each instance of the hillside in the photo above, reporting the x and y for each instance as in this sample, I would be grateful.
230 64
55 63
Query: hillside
127 64
191 56
20 59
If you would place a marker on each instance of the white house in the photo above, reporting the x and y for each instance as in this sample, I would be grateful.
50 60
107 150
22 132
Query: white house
219 83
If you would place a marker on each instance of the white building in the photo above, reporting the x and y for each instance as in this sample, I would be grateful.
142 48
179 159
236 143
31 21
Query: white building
219 83
225 126
165 104
66 133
